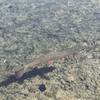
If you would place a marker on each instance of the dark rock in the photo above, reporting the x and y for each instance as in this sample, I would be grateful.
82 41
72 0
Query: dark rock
42 87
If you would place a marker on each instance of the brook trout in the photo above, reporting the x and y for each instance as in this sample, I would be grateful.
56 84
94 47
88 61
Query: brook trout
50 57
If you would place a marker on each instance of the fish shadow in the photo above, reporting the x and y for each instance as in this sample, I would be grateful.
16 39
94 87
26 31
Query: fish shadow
33 73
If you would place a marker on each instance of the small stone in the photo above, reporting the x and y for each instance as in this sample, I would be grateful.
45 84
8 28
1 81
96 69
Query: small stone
42 87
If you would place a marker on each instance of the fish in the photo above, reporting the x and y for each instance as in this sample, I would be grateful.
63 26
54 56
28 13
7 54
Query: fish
51 57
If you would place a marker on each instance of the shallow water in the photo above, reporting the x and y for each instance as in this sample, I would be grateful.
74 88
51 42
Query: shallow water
31 28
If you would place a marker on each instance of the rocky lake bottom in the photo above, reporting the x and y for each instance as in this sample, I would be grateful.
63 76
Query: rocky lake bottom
31 29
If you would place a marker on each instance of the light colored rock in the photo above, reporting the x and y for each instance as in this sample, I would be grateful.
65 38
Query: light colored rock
64 95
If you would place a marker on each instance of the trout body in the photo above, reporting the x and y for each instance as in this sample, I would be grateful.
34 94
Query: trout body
44 59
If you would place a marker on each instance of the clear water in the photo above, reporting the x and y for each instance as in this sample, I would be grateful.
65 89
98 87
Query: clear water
30 30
